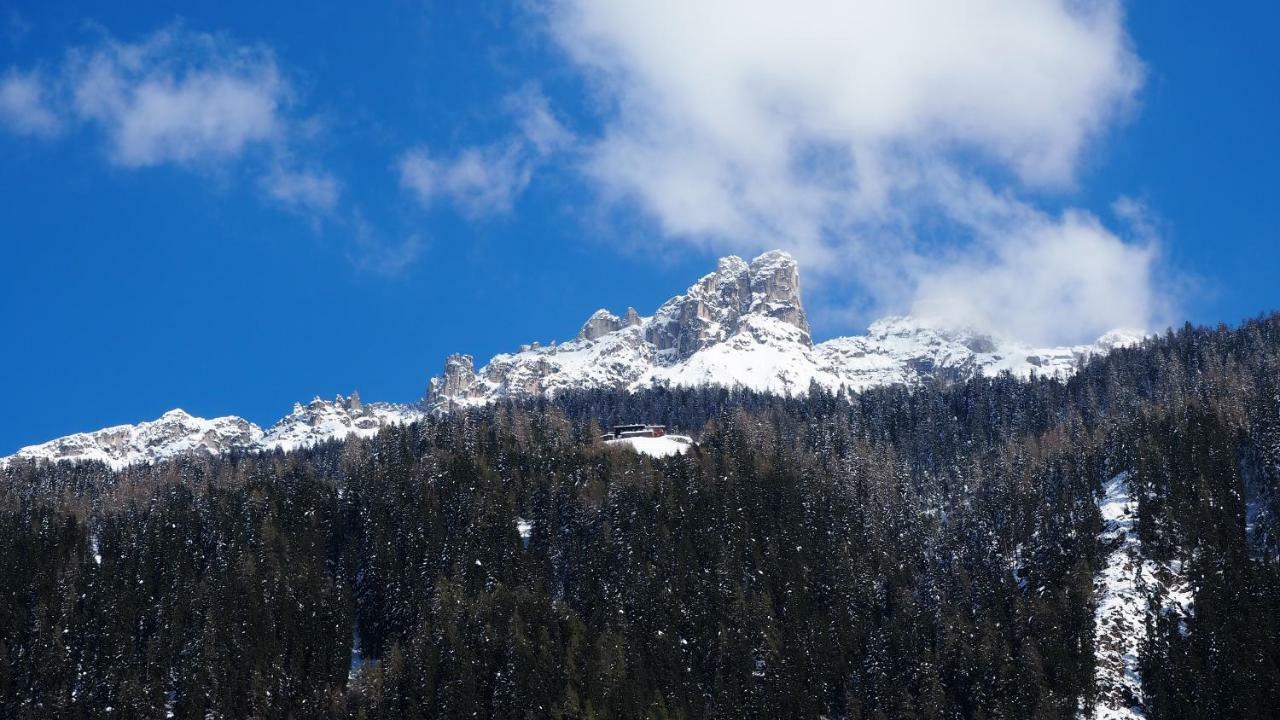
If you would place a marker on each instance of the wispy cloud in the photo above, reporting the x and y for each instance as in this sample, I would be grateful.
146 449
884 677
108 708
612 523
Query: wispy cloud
179 97
851 132
24 105
314 191
482 180
372 254
539 128
16 27
214 106
486 180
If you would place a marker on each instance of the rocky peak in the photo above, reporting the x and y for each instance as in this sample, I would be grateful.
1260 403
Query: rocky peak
730 288
322 420
459 380
712 310
775 289
458 367
1123 337
602 322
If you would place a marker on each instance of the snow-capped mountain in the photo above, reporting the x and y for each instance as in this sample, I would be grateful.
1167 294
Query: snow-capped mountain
321 420
173 434
176 433
744 325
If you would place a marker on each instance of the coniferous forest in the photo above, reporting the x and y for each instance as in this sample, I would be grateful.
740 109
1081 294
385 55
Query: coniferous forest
924 552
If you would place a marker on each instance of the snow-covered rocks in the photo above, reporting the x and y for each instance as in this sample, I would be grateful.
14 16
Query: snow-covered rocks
178 434
173 434
744 325
524 528
321 420
740 326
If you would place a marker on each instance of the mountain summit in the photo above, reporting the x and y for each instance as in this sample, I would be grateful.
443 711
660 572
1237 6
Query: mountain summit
744 325
741 326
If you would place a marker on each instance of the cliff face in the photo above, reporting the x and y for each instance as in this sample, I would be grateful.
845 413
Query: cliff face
717 306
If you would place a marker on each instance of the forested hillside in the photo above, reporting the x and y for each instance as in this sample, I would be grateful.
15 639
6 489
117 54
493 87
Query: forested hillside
905 552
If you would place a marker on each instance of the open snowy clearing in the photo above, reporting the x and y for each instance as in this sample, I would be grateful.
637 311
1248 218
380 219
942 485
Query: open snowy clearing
664 446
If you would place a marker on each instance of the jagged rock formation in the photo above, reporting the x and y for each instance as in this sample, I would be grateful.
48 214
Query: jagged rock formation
604 322
716 307
177 433
744 325
321 420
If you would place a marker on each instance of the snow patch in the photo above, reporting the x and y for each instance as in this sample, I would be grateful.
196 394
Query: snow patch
1124 589
664 446
524 528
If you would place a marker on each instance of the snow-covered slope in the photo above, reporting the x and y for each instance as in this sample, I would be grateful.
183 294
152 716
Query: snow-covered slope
177 433
1128 585
744 325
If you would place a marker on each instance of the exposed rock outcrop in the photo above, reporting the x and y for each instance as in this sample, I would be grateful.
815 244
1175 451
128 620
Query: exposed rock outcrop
745 325
601 323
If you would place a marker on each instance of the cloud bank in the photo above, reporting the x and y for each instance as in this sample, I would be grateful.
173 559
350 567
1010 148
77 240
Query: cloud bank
856 134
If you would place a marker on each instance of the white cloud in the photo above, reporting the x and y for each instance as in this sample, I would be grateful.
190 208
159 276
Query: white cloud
373 255
487 179
311 190
1140 219
539 127
24 105
848 131
1043 279
482 180
179 97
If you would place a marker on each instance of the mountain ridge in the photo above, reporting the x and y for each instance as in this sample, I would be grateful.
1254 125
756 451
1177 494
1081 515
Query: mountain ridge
742 325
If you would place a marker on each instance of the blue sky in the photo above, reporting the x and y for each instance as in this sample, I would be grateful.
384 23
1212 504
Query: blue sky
229 207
